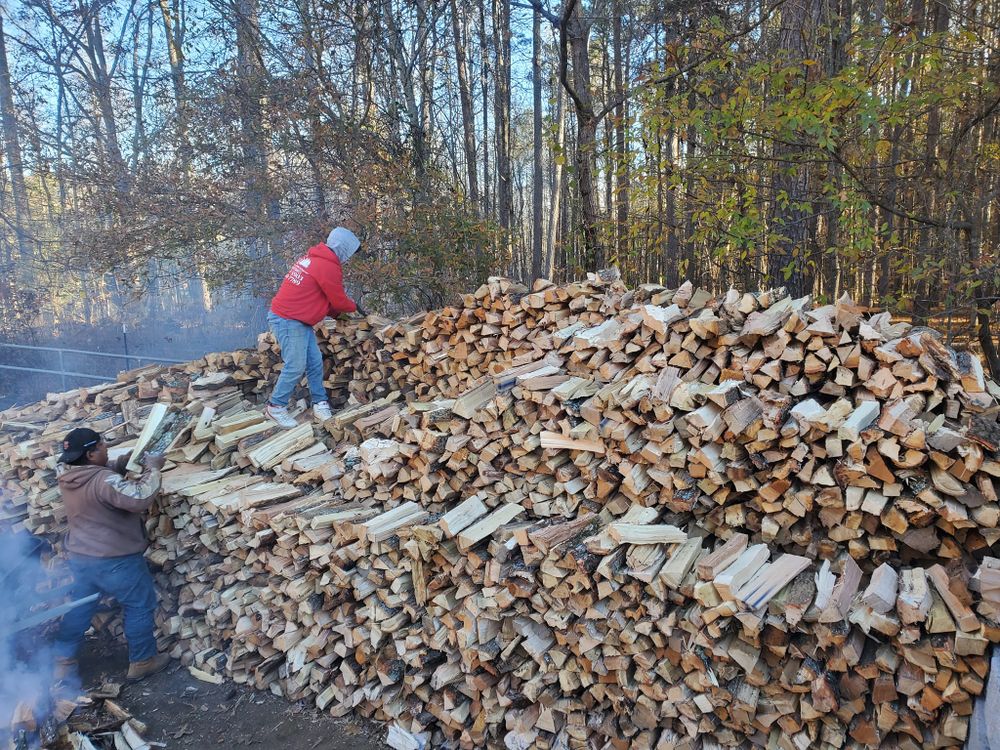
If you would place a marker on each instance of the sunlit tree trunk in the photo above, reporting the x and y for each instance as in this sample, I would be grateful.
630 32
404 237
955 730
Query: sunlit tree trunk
537 268
575 46
12 150
460 33
501 122
174 30
262 205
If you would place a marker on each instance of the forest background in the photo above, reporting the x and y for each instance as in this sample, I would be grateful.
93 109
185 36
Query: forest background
164 160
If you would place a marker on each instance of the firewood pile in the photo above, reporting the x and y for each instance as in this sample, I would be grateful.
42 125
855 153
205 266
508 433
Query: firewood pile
97 721
578 517
87 722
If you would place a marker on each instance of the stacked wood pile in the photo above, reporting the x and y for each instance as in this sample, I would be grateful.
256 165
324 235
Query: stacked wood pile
214 387
584 516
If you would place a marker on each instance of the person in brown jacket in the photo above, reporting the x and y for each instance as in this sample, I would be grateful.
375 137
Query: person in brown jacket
105 546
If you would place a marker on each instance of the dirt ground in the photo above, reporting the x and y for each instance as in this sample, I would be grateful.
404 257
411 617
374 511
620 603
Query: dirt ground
186 714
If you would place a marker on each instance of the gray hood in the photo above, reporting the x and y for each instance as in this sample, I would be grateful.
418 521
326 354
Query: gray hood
344 243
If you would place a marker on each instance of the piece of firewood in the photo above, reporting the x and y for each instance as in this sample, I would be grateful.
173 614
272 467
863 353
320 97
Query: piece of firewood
149 432
717 561
555 440
863 415
881 592
200 674
758 591
462 515
964 617
843 593
681 561
23 717
629 533
741 570
486 526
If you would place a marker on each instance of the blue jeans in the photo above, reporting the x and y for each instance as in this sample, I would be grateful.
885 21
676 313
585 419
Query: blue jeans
301 354
129 581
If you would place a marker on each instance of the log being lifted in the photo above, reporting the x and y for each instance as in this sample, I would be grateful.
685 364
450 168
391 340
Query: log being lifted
763 514
148 435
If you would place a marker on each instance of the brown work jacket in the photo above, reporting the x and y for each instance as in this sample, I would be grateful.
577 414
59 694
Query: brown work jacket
104 509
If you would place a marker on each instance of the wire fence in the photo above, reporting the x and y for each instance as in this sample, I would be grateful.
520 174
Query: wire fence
59 368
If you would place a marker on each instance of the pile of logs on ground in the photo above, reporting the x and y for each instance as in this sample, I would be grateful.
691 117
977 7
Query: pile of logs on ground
578 517
99 722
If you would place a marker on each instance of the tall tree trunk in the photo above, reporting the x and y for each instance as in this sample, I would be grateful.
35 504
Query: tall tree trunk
404 69
426 43
932 189
672 260
838 20
484 82
174 28
459 24
537 269
501 122
140 75
12 149
313 150
575 34
688 269
260 202
557 186
609 238
621 144
791 262
94 49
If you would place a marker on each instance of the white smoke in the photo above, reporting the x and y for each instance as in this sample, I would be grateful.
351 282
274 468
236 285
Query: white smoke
29 582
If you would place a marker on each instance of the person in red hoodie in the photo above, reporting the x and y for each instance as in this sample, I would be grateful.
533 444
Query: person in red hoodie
312 290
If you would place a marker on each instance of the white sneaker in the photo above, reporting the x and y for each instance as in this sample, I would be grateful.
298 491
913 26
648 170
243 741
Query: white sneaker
321 411
280 415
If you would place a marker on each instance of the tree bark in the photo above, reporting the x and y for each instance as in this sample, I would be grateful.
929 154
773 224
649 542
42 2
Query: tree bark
537 269
313 149
672 260
101 81
791 262
557 186
426 42
484 81
260 202
12 148
460 30
404 66
173 28
140 76
839 17
931 190
501 122
621 143
575 44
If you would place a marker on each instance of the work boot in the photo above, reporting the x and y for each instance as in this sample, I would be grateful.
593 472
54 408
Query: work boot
140 670
321 411
65 668
280 415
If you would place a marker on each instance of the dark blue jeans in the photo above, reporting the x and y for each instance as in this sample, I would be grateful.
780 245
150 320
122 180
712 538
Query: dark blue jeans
128 580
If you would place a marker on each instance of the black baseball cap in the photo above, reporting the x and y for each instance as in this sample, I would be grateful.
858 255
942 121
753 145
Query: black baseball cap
78 442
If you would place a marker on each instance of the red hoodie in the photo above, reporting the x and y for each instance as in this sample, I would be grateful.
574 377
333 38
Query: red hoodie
313 289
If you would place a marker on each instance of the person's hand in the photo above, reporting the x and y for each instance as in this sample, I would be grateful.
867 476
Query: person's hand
155 461
121 463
